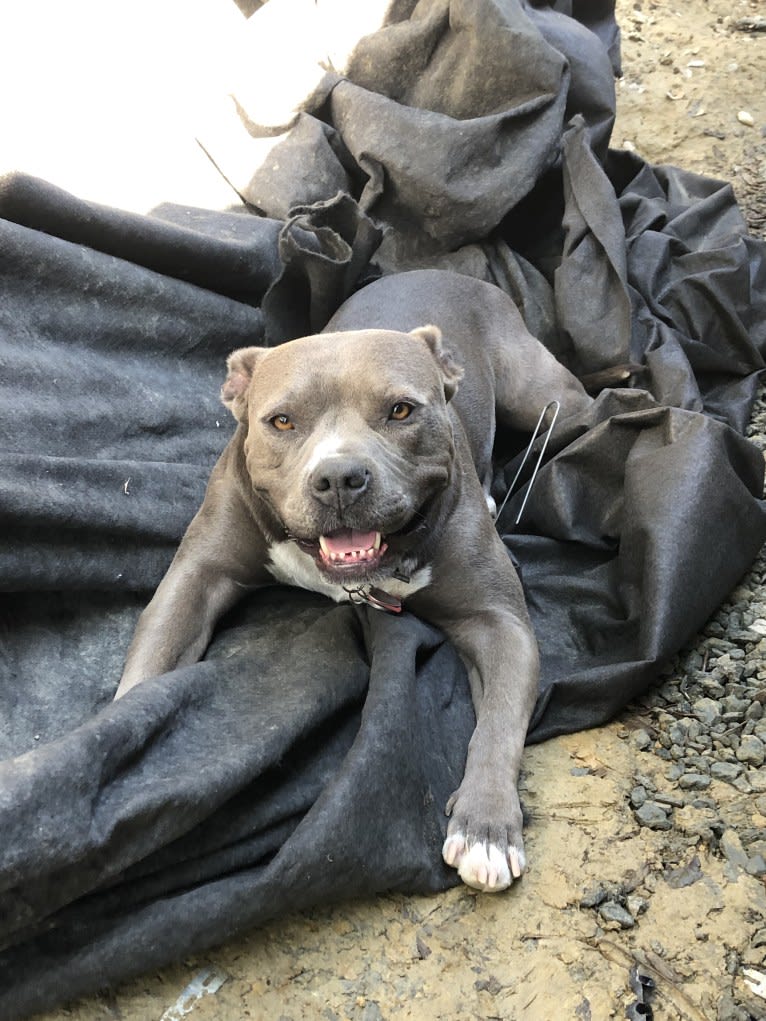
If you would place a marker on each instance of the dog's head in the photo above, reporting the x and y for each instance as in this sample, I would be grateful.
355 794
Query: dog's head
349 442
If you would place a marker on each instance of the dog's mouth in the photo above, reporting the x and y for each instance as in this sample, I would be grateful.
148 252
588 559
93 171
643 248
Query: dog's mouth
350 549
355 553
346 551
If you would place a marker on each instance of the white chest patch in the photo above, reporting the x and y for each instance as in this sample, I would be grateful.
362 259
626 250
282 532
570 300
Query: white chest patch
292 566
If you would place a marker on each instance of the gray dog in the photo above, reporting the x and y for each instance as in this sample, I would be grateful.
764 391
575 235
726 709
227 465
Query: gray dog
360 469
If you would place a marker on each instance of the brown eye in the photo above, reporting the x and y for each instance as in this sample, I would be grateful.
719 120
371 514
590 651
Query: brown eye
401 410
282 422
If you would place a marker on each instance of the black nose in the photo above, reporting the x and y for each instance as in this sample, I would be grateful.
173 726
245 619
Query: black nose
339 479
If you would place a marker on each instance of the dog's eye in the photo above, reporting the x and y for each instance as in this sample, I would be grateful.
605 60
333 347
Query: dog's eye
401 410
282 422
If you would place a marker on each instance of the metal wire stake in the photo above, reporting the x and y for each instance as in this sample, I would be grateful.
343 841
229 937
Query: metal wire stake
527 452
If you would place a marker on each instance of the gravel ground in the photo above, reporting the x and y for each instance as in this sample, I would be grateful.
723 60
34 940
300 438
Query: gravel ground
706 719
706 723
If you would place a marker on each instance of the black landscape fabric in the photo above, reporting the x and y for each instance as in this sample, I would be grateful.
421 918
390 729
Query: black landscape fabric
310 756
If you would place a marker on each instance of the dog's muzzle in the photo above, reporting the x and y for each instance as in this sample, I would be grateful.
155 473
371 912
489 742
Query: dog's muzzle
339 481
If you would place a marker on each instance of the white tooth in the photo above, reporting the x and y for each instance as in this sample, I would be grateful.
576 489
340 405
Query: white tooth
323 545
376 544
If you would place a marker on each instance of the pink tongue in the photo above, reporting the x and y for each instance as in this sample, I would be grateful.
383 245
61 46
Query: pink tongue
346 540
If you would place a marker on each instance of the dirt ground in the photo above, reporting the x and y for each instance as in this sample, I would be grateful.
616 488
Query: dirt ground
692 95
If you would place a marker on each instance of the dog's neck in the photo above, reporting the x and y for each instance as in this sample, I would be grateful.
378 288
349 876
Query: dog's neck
291 565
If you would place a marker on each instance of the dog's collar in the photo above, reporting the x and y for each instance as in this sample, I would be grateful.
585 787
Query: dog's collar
375 597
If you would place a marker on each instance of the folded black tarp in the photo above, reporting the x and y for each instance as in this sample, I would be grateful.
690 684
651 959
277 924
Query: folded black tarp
309 757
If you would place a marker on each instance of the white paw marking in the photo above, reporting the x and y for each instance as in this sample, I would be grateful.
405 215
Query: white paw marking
483 865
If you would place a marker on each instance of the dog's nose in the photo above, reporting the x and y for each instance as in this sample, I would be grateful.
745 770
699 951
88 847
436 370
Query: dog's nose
340 479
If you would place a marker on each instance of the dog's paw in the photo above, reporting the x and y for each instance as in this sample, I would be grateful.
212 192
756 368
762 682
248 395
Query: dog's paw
482 864
487 857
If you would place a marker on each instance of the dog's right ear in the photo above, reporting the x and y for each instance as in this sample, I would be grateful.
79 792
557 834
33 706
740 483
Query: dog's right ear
241 366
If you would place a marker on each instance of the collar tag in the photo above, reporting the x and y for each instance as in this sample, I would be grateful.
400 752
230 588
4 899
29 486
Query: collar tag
375 597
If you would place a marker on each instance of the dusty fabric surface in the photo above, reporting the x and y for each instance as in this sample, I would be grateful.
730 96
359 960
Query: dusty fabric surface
309 757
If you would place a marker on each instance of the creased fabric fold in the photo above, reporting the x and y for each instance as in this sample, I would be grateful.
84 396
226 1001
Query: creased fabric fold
309 757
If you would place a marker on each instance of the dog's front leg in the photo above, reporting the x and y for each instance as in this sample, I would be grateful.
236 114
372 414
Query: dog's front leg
177 625
484 836
495 640
220 557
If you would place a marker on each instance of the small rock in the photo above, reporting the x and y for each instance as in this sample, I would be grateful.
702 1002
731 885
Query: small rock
728 771
422 949
638 796
751 750
653 815
615 914
707 711
742 784
593 897
711 685
693 782
746 118
678 734
686 876
757 780
756 865
758 846
706 803
673 800
734 707
636 905
642 740
731 847
693 729
488 985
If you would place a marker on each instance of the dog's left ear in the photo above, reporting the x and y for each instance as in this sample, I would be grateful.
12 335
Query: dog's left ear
241 366
451 372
